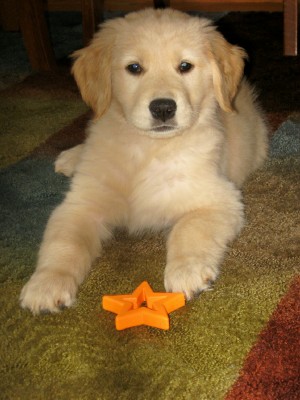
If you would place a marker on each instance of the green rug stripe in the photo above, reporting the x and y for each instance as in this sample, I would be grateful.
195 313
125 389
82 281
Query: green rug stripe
34 123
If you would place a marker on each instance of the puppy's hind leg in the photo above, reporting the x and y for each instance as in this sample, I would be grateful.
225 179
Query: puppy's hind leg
67 160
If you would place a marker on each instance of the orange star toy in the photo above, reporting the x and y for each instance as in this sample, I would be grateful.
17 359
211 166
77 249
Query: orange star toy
131 311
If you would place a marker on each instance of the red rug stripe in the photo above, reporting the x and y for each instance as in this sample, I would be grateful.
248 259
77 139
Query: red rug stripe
272 368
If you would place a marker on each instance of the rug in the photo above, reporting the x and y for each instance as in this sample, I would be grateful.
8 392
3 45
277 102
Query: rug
238 341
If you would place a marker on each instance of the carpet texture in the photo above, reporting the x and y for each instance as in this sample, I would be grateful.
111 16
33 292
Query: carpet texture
238 341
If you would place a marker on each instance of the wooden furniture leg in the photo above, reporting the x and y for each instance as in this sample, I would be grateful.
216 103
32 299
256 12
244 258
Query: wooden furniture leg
92 14
35 31
36 35
290 27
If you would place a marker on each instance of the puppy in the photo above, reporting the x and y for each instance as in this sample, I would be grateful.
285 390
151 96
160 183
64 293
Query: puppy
175 134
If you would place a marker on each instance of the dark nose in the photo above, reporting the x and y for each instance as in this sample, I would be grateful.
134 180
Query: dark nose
163 109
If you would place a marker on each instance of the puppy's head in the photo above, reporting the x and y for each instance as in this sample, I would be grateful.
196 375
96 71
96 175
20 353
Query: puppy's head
162 70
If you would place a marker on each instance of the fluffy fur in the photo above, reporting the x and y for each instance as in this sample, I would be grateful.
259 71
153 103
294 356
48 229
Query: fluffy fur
177 166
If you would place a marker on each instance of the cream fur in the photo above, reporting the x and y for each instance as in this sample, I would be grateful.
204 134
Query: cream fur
135 171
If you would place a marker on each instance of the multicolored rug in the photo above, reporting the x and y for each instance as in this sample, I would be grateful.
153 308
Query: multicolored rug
239 341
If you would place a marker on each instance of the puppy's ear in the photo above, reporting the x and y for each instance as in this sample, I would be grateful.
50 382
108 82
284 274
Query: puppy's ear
92 71
227 66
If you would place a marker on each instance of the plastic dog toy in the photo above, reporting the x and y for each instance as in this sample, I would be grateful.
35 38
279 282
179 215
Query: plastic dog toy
143 307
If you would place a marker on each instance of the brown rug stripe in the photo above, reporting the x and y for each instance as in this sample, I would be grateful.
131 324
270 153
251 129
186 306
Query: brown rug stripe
272 369
275 119
65 138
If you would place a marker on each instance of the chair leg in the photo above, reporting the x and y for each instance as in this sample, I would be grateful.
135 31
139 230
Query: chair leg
92 14
290 27
35 34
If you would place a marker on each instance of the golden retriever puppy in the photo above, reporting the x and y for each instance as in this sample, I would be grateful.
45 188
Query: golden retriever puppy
175 134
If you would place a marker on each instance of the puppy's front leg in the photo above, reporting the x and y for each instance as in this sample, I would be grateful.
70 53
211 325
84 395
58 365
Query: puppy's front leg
67 160
71 242
196 246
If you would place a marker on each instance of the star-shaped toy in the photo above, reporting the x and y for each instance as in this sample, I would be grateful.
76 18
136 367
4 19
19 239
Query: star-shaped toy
143 307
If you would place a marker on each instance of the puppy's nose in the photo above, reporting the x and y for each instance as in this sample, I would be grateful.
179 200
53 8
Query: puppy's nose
163 109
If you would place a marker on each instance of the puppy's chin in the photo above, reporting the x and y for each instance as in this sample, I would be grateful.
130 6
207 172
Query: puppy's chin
161 131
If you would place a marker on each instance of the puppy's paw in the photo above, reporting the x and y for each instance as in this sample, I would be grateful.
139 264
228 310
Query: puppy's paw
67 161
189 275
48 292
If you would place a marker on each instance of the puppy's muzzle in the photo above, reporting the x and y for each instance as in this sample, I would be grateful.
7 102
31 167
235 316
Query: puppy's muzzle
162 109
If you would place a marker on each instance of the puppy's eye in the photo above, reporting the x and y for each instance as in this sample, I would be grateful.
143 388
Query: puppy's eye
184 67
134 68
